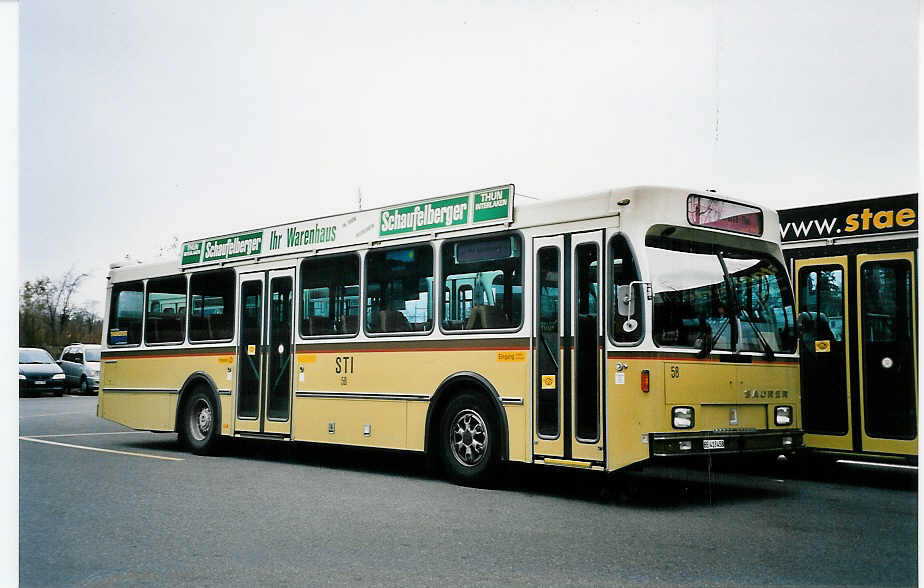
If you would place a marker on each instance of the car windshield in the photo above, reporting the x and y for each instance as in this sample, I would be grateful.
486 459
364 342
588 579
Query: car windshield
34 356
91 354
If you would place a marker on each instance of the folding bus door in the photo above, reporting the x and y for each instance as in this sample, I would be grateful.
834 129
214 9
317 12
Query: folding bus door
887 338
567 349
824 348
264 353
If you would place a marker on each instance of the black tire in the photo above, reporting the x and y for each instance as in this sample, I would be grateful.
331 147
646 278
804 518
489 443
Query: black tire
470 441
198 429
84 387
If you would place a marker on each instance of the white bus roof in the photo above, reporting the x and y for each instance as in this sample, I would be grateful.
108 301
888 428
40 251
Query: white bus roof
490 207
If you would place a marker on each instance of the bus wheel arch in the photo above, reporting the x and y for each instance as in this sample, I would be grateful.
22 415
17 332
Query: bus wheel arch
465 384
199 388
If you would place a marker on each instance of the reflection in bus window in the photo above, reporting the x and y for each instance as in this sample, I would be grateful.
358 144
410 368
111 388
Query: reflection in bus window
887 355
399 290
821 295
482 281
249 349
330 296
691 300
586 342
165 317
547 345
764 303
693 306
211 315
886 302
125 313
280 341
624 272
822 367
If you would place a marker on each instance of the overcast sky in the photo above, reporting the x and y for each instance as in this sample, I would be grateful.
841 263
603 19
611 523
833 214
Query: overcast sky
141 121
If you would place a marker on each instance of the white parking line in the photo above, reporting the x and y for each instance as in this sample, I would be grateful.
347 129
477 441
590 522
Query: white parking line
34 440
84 434
32 416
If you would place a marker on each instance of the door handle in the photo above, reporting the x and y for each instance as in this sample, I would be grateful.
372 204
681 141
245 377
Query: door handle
111 361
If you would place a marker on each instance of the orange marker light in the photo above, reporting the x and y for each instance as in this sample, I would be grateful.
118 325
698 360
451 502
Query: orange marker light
644 380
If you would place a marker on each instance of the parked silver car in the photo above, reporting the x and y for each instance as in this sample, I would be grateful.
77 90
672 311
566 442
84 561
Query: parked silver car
80 362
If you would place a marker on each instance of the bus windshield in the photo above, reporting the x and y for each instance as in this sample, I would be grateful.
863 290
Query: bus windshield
699 286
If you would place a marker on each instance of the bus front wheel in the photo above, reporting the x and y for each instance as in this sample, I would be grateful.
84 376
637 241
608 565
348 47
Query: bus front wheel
470 440
198 428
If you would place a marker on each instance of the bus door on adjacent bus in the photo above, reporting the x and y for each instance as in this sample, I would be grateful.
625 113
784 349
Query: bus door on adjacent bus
887 355
264 353
567 352
824 351
858 356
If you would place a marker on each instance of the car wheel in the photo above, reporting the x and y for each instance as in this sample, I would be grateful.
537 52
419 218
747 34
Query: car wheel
470 440
84 388
198 429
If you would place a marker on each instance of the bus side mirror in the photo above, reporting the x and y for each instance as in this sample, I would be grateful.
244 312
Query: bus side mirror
625 297
626 300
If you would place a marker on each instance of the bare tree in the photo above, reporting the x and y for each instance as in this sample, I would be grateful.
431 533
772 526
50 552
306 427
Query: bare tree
48 317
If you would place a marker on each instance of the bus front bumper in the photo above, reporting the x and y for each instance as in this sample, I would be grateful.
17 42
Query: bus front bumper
725 442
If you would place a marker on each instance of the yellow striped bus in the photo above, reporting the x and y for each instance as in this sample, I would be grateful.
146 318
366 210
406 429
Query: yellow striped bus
592 332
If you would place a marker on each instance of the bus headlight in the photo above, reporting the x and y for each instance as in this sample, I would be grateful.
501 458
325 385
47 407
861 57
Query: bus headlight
783 416
682 417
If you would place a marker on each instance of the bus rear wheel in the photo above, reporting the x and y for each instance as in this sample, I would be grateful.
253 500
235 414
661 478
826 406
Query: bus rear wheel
198 431
469 441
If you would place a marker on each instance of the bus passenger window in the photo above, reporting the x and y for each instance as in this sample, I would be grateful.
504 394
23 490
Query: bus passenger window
399 290
165 318
482 278
211 314
624 272
330 296
125 314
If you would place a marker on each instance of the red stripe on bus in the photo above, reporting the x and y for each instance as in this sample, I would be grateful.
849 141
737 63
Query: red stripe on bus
158 355
787 360
400 349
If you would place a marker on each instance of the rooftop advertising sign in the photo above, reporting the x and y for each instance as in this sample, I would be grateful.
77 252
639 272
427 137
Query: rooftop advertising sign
480 207
850 219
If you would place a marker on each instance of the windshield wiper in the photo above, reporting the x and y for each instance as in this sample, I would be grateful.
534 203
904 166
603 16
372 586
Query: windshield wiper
767 349
733 291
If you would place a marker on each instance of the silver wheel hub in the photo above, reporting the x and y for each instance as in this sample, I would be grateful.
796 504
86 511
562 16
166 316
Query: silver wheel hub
468 438
200 419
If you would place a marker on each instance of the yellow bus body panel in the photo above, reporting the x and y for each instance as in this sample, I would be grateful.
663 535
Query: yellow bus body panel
141 391
397 422
725 396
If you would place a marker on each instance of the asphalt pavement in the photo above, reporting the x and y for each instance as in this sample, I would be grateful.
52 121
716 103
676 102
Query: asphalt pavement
101 505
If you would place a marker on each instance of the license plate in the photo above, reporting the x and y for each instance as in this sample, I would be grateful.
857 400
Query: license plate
713 443
39 382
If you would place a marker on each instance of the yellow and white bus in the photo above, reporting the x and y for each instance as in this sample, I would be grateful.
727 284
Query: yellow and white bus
593 332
